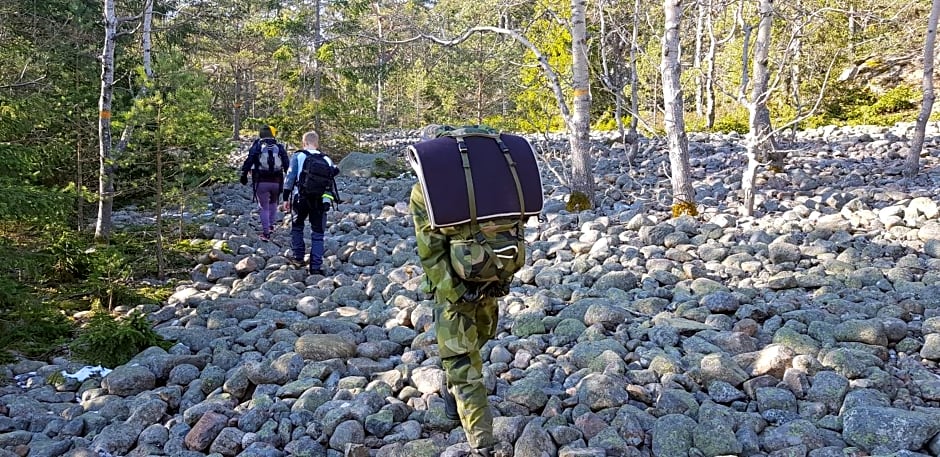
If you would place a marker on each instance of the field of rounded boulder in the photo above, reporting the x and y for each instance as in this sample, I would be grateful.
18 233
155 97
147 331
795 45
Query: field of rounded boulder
811 328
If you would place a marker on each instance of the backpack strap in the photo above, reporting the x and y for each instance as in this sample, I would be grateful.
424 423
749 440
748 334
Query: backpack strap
471 197
468 176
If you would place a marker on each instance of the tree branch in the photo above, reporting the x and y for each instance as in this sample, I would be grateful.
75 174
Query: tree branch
20 82
515 35
23 84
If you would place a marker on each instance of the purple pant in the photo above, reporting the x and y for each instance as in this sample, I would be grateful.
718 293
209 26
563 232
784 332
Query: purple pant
267 194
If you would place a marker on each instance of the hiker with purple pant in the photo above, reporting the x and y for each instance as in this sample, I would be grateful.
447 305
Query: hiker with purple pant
267 161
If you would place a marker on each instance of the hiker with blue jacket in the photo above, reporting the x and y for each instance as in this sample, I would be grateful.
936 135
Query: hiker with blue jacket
310 192
267 163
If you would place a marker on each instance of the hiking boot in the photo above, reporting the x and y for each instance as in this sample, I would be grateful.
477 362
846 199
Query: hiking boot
496 450
317 271
450 403
265 237
296 262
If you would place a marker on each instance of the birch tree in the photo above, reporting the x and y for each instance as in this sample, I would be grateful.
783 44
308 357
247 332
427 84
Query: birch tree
912 162
105 163
582 179
106 154
760 140
683 196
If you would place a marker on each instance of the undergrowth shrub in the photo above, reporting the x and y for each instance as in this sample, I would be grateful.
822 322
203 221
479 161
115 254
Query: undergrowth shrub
70 259
855 105
735 121
33 330
109 341
383 168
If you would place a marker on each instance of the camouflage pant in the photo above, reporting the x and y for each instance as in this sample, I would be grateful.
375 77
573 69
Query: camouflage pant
462 330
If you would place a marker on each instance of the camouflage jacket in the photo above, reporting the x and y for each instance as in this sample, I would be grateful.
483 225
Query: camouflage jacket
433 249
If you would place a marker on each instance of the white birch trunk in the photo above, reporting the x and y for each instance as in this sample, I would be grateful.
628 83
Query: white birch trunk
582 179
105 165
760 136
683 195
380 80
912 163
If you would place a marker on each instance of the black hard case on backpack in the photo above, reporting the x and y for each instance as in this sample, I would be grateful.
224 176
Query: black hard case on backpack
439 167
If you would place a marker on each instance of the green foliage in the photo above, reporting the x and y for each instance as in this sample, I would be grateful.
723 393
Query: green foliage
854 105
32 329
107 283
172 121
48 272
735 121
382 168
71 260
607 122
111 341
26 202
897 99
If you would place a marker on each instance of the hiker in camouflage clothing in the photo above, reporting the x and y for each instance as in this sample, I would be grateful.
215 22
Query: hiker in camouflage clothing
463 327
465 319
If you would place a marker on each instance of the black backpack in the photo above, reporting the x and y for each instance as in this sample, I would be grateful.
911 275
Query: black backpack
316 177
268 164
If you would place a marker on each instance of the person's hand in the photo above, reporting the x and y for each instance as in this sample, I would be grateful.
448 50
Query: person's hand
244 180
287 206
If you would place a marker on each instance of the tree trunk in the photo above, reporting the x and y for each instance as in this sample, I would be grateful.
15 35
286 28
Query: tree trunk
709 83
158 206
79 185
795 81
634 85
760 136
481 81
683 195
912 163
760 91
582 180
380 78
105 164
697 58
614 76
710 56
